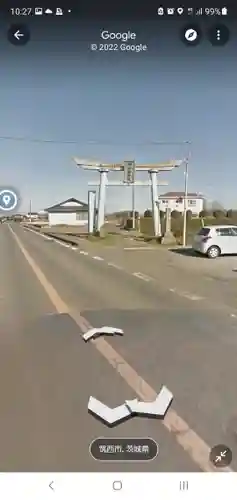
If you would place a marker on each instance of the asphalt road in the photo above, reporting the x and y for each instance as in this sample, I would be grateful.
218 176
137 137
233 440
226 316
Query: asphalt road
48 373
175 269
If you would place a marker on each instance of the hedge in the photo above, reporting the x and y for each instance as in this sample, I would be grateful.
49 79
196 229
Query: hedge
193 225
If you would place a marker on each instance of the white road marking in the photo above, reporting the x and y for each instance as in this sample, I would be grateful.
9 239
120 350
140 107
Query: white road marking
40 234
111 264
186 295
45 237
83 253
66 245
139 248
189 296
142 276
96 257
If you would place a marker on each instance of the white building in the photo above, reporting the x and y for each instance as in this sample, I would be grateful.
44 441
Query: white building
175 201
70 212
33 215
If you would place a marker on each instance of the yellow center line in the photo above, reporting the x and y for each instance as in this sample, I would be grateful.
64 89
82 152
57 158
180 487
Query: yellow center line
187 438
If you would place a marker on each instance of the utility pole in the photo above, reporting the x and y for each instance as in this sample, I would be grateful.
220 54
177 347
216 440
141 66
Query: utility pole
30 211
185 200
133 206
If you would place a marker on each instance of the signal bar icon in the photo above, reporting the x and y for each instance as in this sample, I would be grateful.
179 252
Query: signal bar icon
199 11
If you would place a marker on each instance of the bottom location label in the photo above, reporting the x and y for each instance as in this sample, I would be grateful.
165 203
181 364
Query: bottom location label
124 449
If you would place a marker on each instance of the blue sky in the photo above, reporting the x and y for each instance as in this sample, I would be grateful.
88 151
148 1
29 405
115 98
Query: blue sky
56 89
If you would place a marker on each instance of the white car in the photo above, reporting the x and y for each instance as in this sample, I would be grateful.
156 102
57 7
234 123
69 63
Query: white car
214 241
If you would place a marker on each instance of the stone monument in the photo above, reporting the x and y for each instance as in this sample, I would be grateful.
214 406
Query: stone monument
168 237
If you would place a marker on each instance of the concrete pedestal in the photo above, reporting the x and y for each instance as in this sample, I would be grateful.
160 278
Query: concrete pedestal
168 239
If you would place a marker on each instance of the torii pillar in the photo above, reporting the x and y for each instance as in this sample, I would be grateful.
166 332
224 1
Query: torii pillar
101 200
155 204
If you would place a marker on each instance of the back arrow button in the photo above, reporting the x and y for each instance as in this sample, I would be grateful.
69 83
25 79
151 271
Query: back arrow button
18 34
51 485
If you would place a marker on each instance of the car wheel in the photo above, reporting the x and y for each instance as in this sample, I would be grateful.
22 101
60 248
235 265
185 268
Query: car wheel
213 252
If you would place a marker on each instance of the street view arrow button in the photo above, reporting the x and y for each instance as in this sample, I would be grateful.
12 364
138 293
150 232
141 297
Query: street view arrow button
18 34
157 408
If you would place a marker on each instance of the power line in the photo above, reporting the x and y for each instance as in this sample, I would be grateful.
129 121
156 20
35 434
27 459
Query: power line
104 143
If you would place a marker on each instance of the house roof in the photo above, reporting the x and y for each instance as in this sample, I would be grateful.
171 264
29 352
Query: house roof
71 205
180 194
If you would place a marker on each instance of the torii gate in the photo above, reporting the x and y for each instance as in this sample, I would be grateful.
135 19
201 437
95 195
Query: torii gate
152 169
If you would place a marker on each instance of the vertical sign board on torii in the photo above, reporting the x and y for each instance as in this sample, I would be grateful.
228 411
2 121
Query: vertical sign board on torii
129 168
129 172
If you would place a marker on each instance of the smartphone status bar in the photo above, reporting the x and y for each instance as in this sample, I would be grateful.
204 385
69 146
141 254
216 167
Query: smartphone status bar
123 11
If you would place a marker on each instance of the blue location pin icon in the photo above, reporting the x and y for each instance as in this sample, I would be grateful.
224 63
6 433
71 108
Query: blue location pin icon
6 199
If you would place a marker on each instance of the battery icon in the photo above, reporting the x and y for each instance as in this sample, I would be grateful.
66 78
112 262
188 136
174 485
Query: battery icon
224 11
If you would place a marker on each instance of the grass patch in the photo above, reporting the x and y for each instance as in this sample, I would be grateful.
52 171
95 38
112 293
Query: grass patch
151 239
106 239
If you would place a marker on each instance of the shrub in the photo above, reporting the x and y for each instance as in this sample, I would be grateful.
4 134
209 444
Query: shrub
148 213
129 224
176 214
218 214
231 214
204 213
130 214
146 225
